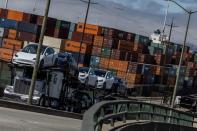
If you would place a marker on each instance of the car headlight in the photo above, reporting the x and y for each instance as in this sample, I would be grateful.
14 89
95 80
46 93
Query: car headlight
16 55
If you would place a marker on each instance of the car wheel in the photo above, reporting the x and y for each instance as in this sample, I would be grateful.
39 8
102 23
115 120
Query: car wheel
41 64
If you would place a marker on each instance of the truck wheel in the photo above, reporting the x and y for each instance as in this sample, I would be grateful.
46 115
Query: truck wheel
42 101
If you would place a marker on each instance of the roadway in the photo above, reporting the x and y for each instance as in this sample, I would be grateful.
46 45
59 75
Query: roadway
17 120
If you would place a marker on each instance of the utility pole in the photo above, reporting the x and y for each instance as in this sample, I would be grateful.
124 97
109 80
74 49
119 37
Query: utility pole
171 27
85 22
6 4
36 66
183 50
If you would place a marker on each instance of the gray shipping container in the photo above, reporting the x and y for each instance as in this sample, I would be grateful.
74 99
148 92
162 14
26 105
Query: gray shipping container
27 27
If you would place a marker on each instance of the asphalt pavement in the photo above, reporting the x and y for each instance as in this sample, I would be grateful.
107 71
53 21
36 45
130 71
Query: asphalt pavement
17 120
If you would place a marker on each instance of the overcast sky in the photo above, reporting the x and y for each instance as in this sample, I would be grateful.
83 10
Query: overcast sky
137 16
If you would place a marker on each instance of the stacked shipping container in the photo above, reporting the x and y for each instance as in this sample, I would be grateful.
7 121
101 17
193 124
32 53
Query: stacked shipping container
130 56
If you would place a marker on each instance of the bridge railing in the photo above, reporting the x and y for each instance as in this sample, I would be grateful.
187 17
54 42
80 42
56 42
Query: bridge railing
112 111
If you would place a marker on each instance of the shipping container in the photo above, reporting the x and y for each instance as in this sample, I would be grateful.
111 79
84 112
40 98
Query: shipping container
6 23
27 27
6 54
89 29
96 51
109 32
94 61
62 29
25 36
132 56
110 42
105 52
73 46
115 54
77 36
12 44
98 41
53 42
130 37
139 39
73 27
3 13
26 17
33 19
118 65
125 45
122 74
133 78
104 63
135 68
12 34
146 58
39 20
15 15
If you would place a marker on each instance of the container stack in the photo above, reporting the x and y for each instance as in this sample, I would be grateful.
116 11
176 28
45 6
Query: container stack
130 56
19 28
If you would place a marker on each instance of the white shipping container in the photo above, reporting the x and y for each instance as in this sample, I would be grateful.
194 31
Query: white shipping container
1 32
52 42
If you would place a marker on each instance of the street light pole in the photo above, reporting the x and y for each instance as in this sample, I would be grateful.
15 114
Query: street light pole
6 4
36 66
180 62
182 52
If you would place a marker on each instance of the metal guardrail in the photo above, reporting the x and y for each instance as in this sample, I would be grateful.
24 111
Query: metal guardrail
111 111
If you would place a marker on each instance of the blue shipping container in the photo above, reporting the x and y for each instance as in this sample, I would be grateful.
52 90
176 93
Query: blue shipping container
6 23
27 27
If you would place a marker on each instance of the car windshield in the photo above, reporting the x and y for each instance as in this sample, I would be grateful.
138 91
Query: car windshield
32 49
84 70
100 73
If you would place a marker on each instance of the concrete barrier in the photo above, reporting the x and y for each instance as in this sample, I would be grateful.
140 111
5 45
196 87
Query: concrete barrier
38 109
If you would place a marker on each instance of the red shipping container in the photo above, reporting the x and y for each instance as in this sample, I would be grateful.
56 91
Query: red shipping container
25 36
77 36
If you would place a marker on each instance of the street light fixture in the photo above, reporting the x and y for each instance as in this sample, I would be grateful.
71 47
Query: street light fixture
85 22
189 12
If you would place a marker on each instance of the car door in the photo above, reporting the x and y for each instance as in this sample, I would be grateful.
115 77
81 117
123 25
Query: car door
51 57
47 57
109 80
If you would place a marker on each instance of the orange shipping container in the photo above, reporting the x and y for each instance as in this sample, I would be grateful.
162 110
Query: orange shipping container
12 34
123 65
75 47
12 44
104 63
113 64
90 29
6 54
122 75
15 15
98 41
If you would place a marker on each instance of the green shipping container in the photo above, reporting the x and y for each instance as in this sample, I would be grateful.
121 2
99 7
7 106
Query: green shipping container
106 52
